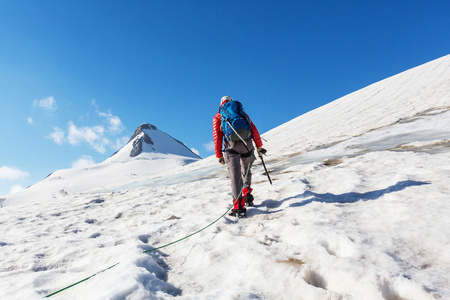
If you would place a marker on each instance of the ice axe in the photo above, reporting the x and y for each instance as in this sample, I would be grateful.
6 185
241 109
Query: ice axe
264 165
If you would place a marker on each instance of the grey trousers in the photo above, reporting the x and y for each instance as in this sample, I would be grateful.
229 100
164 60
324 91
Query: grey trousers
238 161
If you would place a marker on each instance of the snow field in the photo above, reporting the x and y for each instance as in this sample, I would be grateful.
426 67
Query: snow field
368 227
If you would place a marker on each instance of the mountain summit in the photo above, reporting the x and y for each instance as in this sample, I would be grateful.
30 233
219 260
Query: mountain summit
148 152
146 139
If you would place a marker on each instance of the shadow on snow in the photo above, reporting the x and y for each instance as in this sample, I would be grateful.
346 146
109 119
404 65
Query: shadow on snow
352 197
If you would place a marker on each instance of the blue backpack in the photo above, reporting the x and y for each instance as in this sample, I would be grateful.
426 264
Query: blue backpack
235 122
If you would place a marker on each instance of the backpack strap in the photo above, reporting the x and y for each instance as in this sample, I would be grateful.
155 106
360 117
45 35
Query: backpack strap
225 112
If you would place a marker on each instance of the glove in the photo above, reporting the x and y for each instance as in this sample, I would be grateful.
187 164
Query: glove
221 161
261 151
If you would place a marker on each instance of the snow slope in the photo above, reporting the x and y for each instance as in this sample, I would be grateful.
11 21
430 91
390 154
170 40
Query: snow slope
358 210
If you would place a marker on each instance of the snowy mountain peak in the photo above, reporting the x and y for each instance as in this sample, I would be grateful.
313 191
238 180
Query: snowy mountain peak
149 151
147 138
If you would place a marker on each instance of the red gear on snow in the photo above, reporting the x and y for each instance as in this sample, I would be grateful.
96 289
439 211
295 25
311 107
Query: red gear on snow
246 191
236 205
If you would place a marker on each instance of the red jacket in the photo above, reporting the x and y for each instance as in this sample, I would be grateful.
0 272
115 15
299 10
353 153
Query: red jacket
218 135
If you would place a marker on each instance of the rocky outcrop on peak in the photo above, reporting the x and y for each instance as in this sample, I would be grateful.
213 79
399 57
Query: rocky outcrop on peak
141 128
140 139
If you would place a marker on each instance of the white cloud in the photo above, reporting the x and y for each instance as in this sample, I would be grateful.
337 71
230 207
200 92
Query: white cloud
209 146
30 120
114 122
94 136
16 188
57 135
94 104
91 135
10 173
84 161
77 134
120 142
99 137
48 103
100 145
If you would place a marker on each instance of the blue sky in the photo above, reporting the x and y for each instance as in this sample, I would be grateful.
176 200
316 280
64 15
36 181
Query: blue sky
78 77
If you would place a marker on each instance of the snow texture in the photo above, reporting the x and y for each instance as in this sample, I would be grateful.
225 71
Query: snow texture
358 210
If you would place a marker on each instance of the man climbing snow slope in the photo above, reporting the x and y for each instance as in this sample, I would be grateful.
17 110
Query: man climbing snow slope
234 127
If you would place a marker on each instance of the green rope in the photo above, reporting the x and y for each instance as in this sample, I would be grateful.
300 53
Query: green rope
215 221
83 280
166 245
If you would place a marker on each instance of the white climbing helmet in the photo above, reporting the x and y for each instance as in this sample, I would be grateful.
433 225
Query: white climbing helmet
225 98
